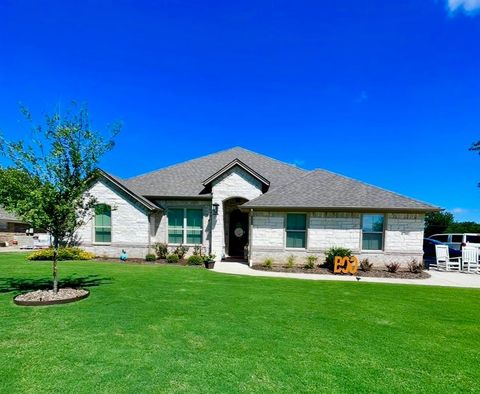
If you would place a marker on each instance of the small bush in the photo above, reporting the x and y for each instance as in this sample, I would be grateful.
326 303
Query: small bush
161 250
267 263
366 265
150 257
335 251
173 258
181 251
415 267
392 267
63 254
197 250
291 261
311 261
195 260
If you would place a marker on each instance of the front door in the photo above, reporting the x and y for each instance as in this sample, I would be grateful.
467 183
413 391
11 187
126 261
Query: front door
238 233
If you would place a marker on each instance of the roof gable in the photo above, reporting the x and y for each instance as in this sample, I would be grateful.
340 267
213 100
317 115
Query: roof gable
119 184
187 179
231 165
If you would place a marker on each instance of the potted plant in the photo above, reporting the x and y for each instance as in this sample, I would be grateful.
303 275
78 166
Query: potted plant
209 261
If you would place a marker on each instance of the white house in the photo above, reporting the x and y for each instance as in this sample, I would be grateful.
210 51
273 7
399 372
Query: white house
238 203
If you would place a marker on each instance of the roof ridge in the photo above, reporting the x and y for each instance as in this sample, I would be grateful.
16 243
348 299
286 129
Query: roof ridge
212 154
271 158
374 186
180 163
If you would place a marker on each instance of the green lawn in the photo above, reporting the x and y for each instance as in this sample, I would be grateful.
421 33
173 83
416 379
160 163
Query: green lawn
180 329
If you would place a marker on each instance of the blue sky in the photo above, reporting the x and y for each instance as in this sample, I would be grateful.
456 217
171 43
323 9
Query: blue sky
387 92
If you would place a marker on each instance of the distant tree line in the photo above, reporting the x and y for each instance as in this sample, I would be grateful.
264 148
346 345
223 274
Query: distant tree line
444 222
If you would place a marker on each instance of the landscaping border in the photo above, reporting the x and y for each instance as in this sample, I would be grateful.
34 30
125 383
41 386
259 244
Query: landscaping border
52 302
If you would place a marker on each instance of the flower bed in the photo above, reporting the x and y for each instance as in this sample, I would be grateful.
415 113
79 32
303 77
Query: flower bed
376 272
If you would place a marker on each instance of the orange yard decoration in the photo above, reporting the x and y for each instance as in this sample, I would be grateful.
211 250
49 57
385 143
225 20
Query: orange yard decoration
345 265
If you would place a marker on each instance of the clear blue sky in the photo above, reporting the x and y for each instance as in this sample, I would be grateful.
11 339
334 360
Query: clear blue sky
383 91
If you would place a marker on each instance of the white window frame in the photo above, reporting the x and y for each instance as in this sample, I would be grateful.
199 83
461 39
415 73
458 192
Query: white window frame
307 222
184 227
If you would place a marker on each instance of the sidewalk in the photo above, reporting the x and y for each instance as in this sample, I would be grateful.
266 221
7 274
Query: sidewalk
438 278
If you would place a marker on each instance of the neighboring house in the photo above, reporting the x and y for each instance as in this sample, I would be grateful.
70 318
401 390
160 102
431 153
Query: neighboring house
11 224
237 203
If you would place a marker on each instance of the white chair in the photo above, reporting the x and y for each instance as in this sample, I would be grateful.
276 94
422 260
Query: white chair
470 259
444 261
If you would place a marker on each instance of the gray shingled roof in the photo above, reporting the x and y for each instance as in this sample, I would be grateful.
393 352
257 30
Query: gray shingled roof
4 215
326 190
185 179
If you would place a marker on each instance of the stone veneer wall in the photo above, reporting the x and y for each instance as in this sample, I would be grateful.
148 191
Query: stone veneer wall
234 183
403 237
130 224
160 223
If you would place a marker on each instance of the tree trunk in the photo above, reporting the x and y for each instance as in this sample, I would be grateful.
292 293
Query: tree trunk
55 266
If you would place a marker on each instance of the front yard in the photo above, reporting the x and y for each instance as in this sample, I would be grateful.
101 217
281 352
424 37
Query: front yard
158 328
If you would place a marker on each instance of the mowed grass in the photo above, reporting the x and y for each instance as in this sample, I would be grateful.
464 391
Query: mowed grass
151 328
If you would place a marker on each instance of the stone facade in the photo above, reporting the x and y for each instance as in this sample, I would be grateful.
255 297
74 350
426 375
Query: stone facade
403 236
136 230
160 227
236 183
130 224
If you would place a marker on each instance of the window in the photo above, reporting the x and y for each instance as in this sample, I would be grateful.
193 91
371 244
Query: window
458 238
194 226
372 231
103 223
175 226
474 239
296 230
440 238
185 226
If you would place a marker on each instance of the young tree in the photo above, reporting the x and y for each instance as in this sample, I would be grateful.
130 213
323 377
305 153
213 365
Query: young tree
46 179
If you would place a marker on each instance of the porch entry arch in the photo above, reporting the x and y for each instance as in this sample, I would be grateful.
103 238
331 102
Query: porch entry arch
236 227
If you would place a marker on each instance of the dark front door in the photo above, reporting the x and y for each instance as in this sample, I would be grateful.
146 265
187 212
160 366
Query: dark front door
238 233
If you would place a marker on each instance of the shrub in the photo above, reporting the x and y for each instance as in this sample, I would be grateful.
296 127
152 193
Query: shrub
311 261
268 262
195 260
415 267
392 267
197 250
63 254
161 250
172 258
291 261
150 257
181 251
366 265
335 251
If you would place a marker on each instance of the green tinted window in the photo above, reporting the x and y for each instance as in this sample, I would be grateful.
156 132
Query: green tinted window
175 226
194 226
103 223
372 229
296 230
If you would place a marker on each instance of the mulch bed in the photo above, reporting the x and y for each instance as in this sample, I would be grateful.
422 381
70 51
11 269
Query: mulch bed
374 273
182 262
48 297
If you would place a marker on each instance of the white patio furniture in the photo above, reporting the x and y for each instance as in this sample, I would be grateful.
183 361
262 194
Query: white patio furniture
470 259
444 261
